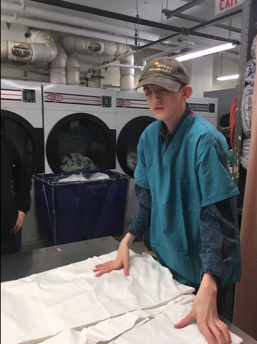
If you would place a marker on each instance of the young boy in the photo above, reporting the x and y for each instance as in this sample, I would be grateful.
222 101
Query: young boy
186 197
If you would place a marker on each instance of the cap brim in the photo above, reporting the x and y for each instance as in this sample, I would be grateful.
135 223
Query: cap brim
225 130
169 84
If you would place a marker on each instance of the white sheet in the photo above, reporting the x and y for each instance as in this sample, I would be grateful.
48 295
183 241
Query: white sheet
137 328
45 304
162 329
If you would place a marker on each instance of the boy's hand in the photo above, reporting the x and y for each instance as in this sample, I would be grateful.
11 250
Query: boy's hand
204 311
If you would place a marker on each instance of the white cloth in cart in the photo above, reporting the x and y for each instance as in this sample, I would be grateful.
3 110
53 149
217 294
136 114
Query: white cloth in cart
80 178
73 178
98 176
137 328
44 304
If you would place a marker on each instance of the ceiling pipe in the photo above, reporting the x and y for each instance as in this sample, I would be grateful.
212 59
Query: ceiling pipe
118 65
112 85
73 20
65 29
200 20
130 19
133 52
108 65
168 51
184 8
215 20
180 45
191 31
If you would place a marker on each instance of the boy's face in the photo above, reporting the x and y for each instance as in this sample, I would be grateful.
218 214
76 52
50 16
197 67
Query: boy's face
166 104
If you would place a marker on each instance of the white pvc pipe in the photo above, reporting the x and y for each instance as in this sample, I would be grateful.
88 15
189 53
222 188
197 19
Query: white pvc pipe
25 57
73 70
101 73
40 51
43 47
58 67
78 44
108 65
66 29
74 44
112 85
73 20
126 54
126 74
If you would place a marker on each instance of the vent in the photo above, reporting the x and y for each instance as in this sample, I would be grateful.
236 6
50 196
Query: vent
11 94
197 107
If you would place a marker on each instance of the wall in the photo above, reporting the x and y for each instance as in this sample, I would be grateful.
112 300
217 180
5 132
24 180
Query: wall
14 33
202 75
230 66
225 96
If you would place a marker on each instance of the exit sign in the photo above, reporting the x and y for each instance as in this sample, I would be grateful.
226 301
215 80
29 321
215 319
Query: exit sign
222 6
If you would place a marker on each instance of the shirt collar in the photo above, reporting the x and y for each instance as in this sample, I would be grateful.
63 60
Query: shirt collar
164 130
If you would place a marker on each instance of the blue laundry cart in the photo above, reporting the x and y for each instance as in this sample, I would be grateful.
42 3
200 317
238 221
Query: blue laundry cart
74 211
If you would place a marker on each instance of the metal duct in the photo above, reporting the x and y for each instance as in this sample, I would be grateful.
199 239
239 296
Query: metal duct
74 44
41 50
58 67
73 69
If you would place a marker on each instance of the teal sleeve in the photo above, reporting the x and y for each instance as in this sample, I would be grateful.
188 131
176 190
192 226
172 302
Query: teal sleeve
214 177
140 173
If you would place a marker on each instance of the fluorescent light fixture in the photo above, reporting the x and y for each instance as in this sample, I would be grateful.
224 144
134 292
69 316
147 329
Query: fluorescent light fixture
205 52
228 77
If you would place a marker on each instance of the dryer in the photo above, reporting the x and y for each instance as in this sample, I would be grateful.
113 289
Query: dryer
21 120
79 123
133 116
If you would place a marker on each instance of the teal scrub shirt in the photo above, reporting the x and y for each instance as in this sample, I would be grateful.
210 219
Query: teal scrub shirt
189 174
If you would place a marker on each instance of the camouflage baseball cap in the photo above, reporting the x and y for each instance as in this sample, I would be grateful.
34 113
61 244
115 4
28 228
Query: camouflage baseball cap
166 72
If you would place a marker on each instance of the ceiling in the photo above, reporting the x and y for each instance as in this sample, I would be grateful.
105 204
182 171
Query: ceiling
152 10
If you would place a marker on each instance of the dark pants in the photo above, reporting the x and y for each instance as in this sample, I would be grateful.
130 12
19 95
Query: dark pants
11 243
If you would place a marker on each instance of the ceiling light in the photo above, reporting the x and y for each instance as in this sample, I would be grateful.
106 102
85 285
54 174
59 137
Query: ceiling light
228 77
205 52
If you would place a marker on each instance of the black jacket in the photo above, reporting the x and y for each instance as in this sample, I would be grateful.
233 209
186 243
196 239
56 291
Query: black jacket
15 185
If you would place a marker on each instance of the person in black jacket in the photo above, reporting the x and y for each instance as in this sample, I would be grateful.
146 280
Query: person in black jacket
225 128
15 195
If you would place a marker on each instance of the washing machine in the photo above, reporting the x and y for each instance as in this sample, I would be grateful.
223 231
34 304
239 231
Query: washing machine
22 121
133 116
80 128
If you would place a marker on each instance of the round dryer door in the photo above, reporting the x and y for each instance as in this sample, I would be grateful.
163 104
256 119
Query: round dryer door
80 142
127 143
28 140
